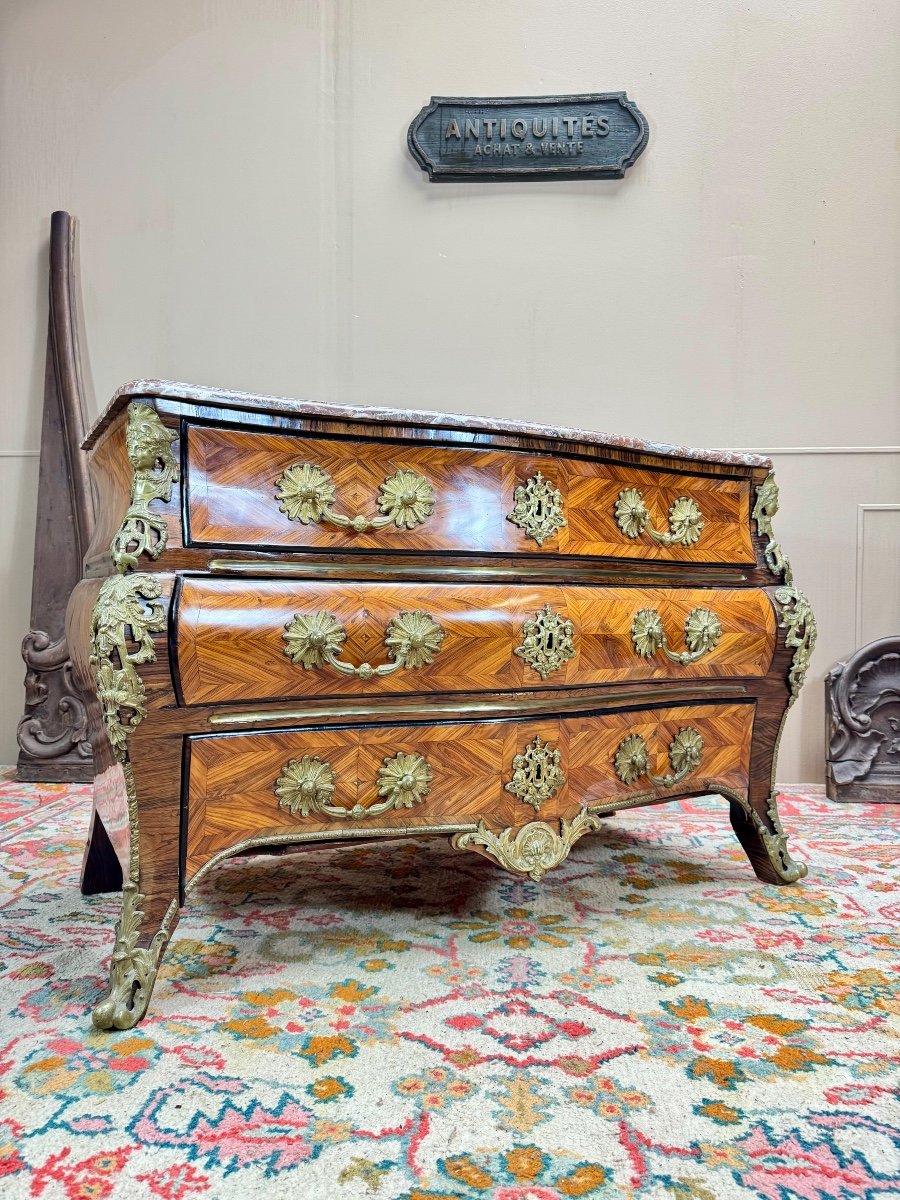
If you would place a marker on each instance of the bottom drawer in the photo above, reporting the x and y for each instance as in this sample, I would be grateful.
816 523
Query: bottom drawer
332 783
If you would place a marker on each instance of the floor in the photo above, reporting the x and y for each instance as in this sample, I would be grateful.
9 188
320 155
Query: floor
409 1023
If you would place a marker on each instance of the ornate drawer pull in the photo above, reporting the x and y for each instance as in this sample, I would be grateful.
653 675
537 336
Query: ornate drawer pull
547 641
306 493
685 752
685 519
702 631
314 640
537 775
306 786
537 508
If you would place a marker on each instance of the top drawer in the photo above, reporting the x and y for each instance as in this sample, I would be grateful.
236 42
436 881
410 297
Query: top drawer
259 490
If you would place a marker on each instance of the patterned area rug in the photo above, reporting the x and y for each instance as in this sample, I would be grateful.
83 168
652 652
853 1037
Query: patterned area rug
408 1022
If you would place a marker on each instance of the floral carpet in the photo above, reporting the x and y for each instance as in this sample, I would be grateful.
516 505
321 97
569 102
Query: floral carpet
404 1022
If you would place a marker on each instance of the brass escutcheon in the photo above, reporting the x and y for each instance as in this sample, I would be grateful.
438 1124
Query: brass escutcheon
537 775
547 642
537 508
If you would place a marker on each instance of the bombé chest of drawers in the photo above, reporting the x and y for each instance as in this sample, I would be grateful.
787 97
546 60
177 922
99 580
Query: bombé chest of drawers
308 624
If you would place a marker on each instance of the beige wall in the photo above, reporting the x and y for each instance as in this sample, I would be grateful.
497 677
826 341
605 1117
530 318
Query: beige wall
250 217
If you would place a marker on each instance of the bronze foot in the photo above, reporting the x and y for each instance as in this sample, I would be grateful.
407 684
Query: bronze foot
133 968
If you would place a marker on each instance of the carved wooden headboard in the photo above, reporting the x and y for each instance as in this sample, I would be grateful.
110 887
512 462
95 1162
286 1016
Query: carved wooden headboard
52 734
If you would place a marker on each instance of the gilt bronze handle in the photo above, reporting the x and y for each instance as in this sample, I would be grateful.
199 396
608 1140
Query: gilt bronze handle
632 758
685 519
315 639
306 786
702 631
307 492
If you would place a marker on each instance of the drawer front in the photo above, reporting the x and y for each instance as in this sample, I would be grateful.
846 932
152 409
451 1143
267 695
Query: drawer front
240 642
346 782
257 490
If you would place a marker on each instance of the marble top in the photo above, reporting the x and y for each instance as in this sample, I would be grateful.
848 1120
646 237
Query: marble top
220 398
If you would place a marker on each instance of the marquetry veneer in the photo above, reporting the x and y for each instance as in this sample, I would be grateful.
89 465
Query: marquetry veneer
230 475
307 624
230 778
231 646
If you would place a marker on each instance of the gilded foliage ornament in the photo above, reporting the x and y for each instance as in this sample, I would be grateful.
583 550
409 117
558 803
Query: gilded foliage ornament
312 639
647 632
631 758
764 510
315 639
404 780
547 642
702 631
538 509
306 493
631 512
413 639
685 752
153 472
774 839
685 524
633 518
407 499
532 850
127 611
537 775
796 612
798 619
305 786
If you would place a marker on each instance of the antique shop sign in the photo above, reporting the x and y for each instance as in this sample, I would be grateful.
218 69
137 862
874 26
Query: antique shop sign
595 136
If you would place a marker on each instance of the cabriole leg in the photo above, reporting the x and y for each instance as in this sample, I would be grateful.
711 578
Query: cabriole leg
138 782
765 842
150 907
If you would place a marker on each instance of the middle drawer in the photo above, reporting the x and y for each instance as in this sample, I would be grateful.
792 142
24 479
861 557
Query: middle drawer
240 642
